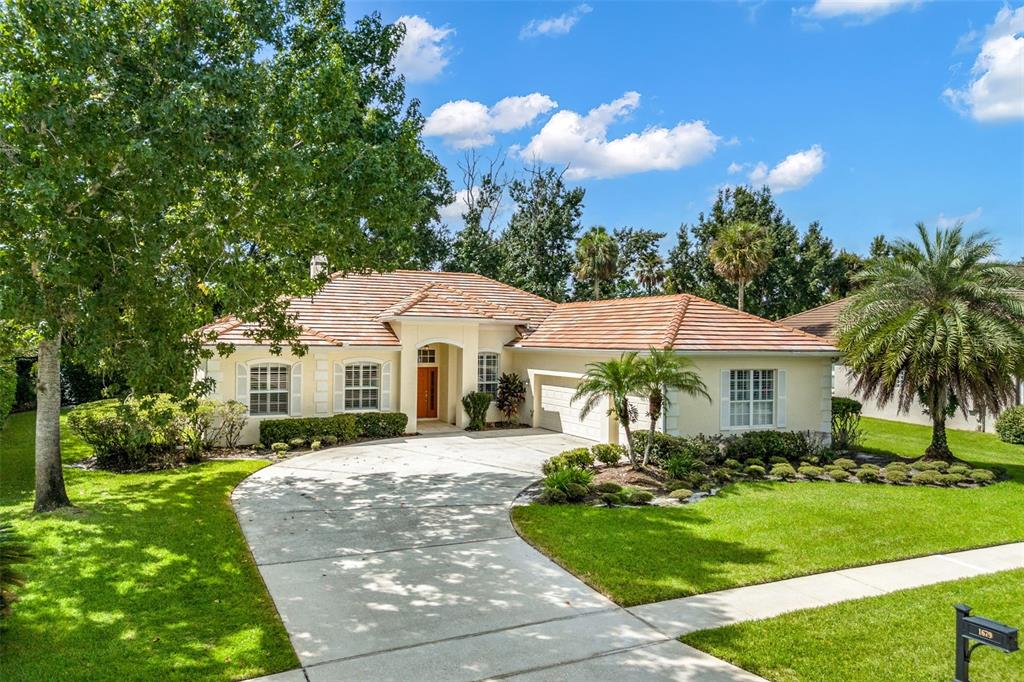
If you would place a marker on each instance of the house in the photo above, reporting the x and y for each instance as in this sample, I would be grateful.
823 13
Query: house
823 321
417 342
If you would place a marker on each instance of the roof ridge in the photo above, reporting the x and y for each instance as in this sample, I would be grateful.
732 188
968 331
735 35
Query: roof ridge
403 304
817 307
762 319
319 334
618 300
479 299
676 322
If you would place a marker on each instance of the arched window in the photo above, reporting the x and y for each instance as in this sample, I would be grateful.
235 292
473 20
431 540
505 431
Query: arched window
362 386
268 389
487 373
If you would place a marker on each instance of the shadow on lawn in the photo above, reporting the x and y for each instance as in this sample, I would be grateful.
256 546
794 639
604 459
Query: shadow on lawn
123 586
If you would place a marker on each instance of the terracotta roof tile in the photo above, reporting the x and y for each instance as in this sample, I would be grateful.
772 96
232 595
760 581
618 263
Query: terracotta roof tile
820 321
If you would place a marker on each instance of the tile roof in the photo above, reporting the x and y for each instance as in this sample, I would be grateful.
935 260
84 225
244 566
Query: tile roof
680 321
820 321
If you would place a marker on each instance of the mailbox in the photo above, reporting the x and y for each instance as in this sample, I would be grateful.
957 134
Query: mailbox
981 632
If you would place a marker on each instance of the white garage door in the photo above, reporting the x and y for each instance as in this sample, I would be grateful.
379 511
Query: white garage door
558 415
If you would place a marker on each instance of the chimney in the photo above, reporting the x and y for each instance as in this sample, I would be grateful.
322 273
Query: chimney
317 266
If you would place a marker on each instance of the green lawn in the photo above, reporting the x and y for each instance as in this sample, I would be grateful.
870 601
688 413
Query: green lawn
149 578
760 532
903 636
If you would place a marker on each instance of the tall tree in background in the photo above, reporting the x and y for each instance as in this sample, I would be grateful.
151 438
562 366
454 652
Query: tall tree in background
597 258
938 317
536 247
156 172
475 247
741 252
650 272
635 246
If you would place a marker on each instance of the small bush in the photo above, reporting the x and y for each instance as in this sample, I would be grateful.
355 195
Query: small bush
680 465
982 476
607 453
132 434
951 479
694 479
846 429
897 475
231 417
811 471
753 462
258 446
935 465
279 447
315 445
811 461
581 458
927 477
869 465
573 481
867 475
511 393
197 429
295 443
552 496
329 440
754 471
838 474
681 494
845 463
344 427
611 499
778 460
1010 425
476 404
959 469
722 476
608 487
733 464
784 471
759 445
381 424
640 497
707 449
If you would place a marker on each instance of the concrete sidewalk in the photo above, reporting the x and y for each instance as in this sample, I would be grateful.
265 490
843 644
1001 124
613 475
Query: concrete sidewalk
677 617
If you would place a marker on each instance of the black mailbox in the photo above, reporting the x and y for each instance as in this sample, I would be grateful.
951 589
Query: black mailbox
982 632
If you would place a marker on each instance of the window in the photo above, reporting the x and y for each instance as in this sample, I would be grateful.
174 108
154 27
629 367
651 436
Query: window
487 373
268 389
751 397
362 386
426 356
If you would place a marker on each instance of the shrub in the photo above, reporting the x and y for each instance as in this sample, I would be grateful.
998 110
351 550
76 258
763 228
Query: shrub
694 479
846 430
573 481
231 417
329 440
927 477
511 393
552 496
296 443
811 471
784 471
680 465
197 430
476 404
845 463
707 449
758 445
754 471
897 466
721 476
279 447
838 474
608 487
931 466
734 464
753 462
951 479
680 494
868 475
344 427
581 458
869 465
778 460
897 475
609 454
982 476
381 424
611 499
131 434
1010 425
13 552
258 446
640 497
959 469
315 445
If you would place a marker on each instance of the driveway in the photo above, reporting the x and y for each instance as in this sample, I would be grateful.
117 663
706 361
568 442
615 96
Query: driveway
396 560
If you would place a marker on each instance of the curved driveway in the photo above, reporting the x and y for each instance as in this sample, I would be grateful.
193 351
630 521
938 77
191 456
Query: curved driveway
397 560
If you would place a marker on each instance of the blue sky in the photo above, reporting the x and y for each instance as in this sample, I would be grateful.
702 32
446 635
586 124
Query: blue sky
868 115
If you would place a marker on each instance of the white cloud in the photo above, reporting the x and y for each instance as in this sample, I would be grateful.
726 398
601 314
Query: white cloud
423 53
465 124
996 90
793 172
944 223
735 168
452 213
554 26
582 143
866 10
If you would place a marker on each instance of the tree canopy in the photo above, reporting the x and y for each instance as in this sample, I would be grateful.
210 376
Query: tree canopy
597 258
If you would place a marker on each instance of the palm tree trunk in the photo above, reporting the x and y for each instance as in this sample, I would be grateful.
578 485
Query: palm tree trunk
50 491
623 415
597 289
740 298
939 447
654 412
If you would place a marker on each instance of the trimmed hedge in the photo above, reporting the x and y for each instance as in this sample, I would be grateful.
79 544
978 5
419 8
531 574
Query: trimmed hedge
337 429
1010 425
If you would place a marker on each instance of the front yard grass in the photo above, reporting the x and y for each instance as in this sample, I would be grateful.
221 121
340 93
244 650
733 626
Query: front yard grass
762 531
149 578
903 636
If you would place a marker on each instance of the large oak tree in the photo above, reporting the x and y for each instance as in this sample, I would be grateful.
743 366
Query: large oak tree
163 163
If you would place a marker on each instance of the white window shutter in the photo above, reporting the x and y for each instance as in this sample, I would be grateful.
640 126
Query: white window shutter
724 412
339 387
385 386
242 383
780 398
296 389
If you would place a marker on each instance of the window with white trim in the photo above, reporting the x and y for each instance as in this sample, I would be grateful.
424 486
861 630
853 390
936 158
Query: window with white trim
751 397
362 386
268 389
487 373
426 356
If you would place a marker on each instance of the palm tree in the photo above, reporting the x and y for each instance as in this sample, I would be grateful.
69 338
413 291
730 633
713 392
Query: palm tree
650 272
935 318
615 380
741 253
660 372
597 257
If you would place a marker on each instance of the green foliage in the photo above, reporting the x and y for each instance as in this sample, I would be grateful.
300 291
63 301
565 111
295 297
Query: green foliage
931 465
640 497
476 404
380 424
838 474
681 464
895 475
607 453
197 429
783 471
734 464
279 447
845 463
867 474
982 476
810 471
344 427
14 552
511 394
8 387
961 469
597 259
132 434
951 479
315 445
231 417
608 487
741 252
661 373
681 494
846 429
754 471
763 445
939 317
296 443
573 482
611 499
578 458
615 380
926 477
753 461
329 440
1009 425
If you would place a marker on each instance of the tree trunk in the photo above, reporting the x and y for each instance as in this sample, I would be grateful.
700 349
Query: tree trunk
623 416
50 492
597 289
740 297
939 448
654 412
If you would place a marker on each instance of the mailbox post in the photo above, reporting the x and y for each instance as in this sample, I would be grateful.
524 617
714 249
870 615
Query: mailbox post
975 631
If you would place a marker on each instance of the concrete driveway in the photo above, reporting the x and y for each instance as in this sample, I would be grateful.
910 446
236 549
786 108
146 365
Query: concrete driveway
396 560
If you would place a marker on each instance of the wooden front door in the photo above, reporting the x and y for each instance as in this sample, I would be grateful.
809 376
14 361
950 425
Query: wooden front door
426 393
